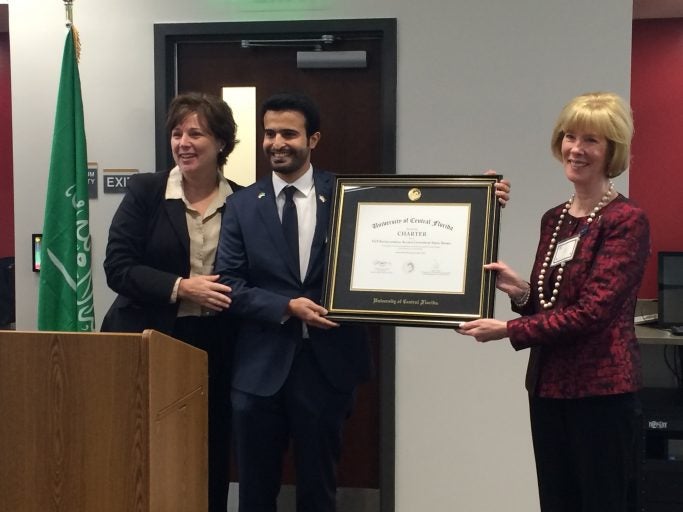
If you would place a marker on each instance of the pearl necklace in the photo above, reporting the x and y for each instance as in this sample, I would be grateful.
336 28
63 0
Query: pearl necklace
551 248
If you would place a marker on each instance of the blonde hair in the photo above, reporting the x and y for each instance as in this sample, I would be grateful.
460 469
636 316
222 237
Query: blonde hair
604 113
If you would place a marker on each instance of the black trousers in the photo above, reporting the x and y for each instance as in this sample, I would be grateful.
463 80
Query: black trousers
307 411
586 452
214 335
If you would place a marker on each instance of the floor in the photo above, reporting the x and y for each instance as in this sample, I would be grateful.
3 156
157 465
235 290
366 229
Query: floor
348 500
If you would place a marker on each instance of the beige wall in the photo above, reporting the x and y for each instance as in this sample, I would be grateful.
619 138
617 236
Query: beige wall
479 86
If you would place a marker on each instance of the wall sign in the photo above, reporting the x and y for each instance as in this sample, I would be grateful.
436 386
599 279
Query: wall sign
114 181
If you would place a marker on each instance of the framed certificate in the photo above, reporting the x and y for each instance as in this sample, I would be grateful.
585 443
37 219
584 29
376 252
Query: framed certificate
410 250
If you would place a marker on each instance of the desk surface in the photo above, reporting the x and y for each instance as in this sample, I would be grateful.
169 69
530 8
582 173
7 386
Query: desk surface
653 336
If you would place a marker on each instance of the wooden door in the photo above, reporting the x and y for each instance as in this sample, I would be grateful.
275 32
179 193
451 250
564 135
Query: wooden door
358 115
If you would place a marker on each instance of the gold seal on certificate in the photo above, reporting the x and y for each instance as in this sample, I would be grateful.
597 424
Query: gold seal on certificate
410 250
414 194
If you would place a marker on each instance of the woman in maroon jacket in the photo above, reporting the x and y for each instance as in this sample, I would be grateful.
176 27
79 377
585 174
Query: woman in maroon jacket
577 317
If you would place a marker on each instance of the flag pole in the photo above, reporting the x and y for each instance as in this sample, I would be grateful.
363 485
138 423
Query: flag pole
69 8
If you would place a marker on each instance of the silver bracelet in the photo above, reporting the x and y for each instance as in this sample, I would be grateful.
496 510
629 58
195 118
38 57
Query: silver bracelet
522 301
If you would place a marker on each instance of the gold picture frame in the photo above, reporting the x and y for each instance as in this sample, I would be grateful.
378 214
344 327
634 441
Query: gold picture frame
410 249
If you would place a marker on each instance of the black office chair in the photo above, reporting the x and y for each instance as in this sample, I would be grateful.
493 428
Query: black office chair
7 297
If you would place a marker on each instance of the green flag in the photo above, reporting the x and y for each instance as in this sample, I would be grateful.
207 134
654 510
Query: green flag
65 295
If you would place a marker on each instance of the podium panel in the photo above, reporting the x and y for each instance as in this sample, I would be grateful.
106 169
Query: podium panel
102 422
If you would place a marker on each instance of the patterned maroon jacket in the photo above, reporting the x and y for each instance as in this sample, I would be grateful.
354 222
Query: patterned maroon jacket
586 344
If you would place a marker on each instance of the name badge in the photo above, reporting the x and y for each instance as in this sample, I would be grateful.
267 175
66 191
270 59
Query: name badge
564 251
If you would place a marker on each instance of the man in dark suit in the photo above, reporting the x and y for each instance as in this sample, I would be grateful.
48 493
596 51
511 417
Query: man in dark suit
294 371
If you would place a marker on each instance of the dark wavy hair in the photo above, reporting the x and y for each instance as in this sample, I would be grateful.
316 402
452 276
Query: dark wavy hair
213 112
297 103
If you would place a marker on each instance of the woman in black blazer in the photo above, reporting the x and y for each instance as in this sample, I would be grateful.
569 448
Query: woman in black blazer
161 251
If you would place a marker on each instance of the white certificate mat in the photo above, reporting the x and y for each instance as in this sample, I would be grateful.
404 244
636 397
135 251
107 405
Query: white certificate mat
411 247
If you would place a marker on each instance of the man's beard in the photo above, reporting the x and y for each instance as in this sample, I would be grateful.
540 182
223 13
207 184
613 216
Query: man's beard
296 159
290 169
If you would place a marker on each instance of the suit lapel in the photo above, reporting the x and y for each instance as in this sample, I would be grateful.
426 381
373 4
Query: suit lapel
175 209
323 191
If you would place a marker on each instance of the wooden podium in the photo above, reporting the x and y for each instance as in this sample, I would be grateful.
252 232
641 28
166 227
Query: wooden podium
102 422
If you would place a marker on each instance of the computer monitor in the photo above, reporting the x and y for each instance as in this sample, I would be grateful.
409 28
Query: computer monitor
670 293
